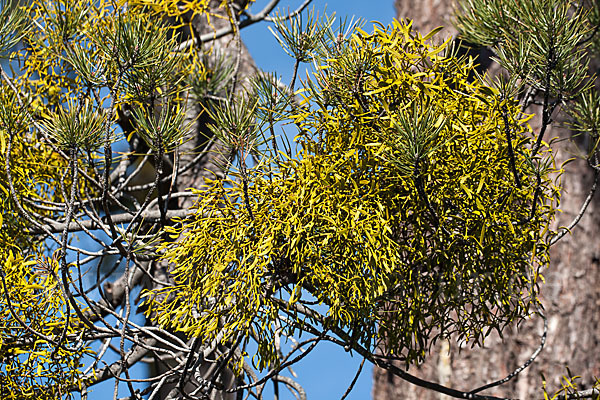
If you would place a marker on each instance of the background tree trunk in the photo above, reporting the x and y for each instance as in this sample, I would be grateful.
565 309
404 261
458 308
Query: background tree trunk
570 295
211 166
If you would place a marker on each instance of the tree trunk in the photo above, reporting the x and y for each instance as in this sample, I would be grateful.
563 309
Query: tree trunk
570 295
210 166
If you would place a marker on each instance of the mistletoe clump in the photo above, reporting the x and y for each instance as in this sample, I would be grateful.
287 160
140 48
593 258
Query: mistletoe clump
416 208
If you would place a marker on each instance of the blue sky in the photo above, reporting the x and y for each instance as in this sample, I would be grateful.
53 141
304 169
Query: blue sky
327 371
266 51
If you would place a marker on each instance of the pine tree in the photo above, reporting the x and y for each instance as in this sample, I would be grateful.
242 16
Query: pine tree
389 201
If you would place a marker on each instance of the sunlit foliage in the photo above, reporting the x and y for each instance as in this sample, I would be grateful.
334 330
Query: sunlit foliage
37 362
52 122
34 362
414 209
414 203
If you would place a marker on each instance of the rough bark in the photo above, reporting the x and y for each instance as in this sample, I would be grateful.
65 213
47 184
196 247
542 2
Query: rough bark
427 15
570 295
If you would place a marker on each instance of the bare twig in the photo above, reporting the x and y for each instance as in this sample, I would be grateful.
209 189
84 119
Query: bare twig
564 230
360 367
148 215
527 363
250 20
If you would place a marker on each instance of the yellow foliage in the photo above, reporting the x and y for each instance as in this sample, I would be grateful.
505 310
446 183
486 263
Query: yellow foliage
413 210
31 320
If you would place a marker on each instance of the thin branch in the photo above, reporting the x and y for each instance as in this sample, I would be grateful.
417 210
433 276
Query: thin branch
292 384
564 230
283 365
522 367
148 215
173 178
252 19
382 363
123 366
347 392
585 394
546 112
297 11
511 151
63 248
294 76
108 372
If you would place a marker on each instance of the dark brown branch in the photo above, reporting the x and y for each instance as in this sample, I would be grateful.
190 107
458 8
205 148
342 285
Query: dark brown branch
511 151
382 363
546 111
